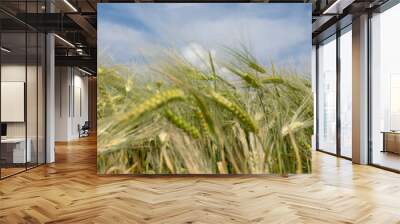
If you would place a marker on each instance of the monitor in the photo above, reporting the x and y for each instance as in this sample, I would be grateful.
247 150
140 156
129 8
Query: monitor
3 129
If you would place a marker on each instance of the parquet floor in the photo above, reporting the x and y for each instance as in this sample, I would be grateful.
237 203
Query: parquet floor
10 171
69 191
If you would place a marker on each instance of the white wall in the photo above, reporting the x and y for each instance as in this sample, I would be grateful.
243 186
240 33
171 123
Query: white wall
70 83
17 72
34 126
62 81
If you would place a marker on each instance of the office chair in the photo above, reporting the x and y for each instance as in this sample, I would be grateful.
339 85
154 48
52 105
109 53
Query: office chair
84 130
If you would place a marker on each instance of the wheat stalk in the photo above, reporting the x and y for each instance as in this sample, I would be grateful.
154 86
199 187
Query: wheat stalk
181 123
242 116
153 103
203 123
219 124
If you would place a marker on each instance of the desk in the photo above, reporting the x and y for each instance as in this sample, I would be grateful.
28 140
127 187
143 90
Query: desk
391 141
15 148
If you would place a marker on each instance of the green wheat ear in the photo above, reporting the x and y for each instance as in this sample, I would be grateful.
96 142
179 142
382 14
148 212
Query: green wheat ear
256 67
242 116
247 77
182 124
153 103
203 122
273 80
279 80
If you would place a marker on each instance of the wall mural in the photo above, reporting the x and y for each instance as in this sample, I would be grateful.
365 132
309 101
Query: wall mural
204 88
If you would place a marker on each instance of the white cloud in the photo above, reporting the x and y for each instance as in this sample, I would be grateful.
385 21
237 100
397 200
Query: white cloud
190 26
123 42
197 55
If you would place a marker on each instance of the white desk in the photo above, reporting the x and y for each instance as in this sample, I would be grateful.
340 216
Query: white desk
19 155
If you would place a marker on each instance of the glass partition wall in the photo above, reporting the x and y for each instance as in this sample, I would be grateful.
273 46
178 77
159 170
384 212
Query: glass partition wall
345 62
22 89
334 94
327 95
385 89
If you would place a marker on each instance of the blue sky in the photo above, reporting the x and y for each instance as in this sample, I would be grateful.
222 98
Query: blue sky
130 32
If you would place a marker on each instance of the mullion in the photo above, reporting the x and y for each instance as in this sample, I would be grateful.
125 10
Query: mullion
338 92
37 90
369 91
26 86
0 95
317 96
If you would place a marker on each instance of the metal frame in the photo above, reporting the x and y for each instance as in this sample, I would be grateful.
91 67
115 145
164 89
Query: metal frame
317 103
338 75
337 34
387 5
0 93
369 98
44 74
317 97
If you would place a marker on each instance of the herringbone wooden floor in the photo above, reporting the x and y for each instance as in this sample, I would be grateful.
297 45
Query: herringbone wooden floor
69 191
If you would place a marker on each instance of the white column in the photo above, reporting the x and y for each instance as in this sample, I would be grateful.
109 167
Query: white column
360 89
50 92
50 99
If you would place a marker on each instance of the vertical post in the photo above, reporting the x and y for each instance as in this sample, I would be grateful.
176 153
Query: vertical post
360 89
26 87
0 96
317 97
338 81
314 90
369 53
50 92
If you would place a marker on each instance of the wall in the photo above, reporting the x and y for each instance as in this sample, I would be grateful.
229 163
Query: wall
71 102
9 73
62 81
12 73
33 127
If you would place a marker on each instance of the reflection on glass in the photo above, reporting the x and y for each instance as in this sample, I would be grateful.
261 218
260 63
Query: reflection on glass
386 89
346 93
22 90
41 98
31 99
14 153
327 96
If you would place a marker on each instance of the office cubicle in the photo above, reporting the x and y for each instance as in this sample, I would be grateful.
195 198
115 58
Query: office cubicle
22 90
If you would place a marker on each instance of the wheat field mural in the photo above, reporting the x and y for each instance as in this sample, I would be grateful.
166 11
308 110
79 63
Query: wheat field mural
201 112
